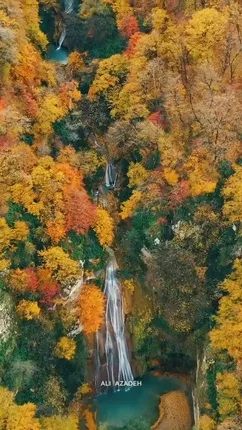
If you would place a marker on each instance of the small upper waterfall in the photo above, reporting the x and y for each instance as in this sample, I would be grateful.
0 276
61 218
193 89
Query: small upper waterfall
68 6
110 176
68 9
112 349
62 38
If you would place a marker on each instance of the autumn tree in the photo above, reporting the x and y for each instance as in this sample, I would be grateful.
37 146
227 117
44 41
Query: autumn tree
54 192
23 417
225 335
110 74
172 279
16 417
91 308
9 238
75 63
47 286
65 348
90 419
62 267
14 169
202 177
128 25
80 211
137 175
28 310
23 281
228 394
91 7
119 6
104 227
233 197
129 206
58 422
207 423
54 395
31 16
219 131
205 30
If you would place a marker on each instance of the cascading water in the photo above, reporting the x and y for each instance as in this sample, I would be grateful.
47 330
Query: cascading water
62 38
110 176
68 6
112 347
68 9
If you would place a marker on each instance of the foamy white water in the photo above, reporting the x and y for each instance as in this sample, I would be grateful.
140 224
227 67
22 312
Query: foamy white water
118 366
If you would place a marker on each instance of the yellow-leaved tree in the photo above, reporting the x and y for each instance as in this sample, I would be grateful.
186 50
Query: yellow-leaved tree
171 176
233 196
16 417
69 422
62 267
137 175
159 17
130 206
120 7
28 310
32 18
109 76
207 423
228 388
9 238
202 176
229 319
65 348
205 31
104 227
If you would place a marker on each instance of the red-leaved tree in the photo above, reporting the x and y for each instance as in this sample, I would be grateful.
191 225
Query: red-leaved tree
128 25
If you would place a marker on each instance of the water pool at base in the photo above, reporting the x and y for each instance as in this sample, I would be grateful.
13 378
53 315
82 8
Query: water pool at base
116 409
60 55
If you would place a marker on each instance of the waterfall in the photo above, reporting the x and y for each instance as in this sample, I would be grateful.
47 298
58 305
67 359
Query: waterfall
68 9
111 342
62 38
110 176
69 6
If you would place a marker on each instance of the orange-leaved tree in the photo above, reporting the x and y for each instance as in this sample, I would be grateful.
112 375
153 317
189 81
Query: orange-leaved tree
80 211
91 308
23 280
54 192
47 286
128 25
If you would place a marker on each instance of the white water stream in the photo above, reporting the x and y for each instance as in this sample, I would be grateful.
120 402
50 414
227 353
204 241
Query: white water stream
68 6
117 363
110 176
68 9
62 38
